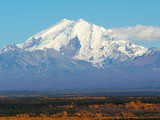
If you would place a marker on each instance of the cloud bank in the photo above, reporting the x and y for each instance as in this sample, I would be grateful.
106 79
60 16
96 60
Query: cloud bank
138 33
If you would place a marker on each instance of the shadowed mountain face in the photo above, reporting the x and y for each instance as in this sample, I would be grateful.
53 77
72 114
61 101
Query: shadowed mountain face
78 55
71 48
38 61
150 58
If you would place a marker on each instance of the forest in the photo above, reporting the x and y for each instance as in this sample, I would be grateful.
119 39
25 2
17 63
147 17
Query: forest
78 108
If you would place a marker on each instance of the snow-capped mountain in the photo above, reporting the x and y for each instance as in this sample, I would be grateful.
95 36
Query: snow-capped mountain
78 55
84 41
150 58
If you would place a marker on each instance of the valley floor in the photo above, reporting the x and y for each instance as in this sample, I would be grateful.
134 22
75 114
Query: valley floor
78 118
80 108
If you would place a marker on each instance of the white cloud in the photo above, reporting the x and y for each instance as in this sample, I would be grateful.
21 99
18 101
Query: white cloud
138 33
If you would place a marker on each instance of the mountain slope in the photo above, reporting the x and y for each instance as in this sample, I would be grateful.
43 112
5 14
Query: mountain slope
97 44
151 59
78 55
16 59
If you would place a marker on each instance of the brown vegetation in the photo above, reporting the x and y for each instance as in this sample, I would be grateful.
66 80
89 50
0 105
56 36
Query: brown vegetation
91 110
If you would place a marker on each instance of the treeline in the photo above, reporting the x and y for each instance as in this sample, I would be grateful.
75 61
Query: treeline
82 107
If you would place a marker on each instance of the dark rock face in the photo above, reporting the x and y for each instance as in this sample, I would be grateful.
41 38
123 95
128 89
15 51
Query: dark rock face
72 47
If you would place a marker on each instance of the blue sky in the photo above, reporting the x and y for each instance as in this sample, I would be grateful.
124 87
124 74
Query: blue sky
20 19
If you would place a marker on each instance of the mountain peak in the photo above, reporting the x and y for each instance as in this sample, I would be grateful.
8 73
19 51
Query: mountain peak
65 20
95 44
81 20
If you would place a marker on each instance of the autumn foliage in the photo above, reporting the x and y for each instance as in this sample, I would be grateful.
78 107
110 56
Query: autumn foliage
80 108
